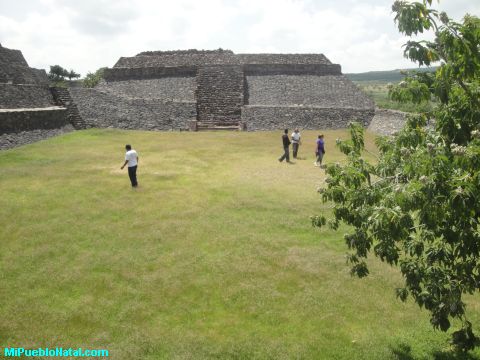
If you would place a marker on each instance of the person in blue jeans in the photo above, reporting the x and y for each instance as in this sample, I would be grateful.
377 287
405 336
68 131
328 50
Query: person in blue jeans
319 150
131 158
286 144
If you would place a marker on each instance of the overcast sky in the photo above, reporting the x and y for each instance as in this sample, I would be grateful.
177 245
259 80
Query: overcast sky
85 35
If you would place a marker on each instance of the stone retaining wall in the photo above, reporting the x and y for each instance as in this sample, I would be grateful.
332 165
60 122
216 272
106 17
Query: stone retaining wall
41 77
24 96
313 118
156 72
14 121
387 122
151 72
166 89
219 57
292 69
14 68
318 91
11 140
101 109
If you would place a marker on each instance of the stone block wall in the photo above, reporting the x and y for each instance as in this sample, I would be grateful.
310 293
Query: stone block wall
102 109
14 68
319 91
258 117
27 107
166 89
15 121
387 122
41 77
219 94
292 69
148 72
174 60
215 57
291 59
14 96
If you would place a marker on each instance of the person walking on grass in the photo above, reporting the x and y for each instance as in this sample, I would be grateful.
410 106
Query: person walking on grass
131 158
319 150
295 142
286 144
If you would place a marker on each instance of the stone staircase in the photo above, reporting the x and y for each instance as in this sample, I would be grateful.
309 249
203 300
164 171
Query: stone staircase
219 96
62 98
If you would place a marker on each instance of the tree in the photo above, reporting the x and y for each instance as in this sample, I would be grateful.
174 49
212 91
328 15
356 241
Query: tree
72 75
58 74
418 205
92 79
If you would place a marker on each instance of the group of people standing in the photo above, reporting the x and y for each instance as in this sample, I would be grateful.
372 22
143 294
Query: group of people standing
131 156
295 142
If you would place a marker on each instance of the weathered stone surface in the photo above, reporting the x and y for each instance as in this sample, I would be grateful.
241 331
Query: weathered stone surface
166 89
258 117
62 97
214 57
103 109
219 94
27 107
14 69
387 122
228 89
11 140
12 121
306 90
14 96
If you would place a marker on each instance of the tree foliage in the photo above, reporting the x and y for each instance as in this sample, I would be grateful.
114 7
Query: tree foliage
418 205
72 75
58 74
92 79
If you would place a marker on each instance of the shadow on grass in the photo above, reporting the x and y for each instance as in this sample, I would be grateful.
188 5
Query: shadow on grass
404 352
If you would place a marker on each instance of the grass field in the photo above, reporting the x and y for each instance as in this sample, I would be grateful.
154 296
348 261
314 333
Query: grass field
212 257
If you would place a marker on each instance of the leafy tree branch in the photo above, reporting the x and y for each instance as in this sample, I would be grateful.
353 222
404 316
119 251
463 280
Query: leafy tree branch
418 205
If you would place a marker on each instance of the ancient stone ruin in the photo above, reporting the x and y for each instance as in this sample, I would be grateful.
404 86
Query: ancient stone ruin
28 110
182 90
192 89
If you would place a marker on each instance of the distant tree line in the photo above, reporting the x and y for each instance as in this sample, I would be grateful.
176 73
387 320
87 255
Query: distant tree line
58 74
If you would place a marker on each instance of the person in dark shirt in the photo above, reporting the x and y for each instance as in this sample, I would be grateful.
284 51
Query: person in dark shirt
320 150
286 145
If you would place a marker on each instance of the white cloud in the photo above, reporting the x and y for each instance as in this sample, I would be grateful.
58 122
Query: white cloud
85 35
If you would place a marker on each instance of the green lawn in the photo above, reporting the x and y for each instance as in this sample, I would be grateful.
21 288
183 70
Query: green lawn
212 257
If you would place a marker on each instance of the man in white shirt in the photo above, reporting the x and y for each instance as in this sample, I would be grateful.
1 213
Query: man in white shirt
131 158
295 142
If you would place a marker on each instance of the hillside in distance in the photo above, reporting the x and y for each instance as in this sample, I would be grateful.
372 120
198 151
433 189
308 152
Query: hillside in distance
388 76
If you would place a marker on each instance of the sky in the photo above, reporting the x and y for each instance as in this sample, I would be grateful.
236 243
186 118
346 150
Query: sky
85 35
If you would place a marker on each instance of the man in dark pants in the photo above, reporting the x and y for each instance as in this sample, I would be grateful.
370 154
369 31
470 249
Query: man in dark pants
131 158
295 142
286 144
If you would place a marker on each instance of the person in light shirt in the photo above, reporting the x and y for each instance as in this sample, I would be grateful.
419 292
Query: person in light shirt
131 158
295 142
